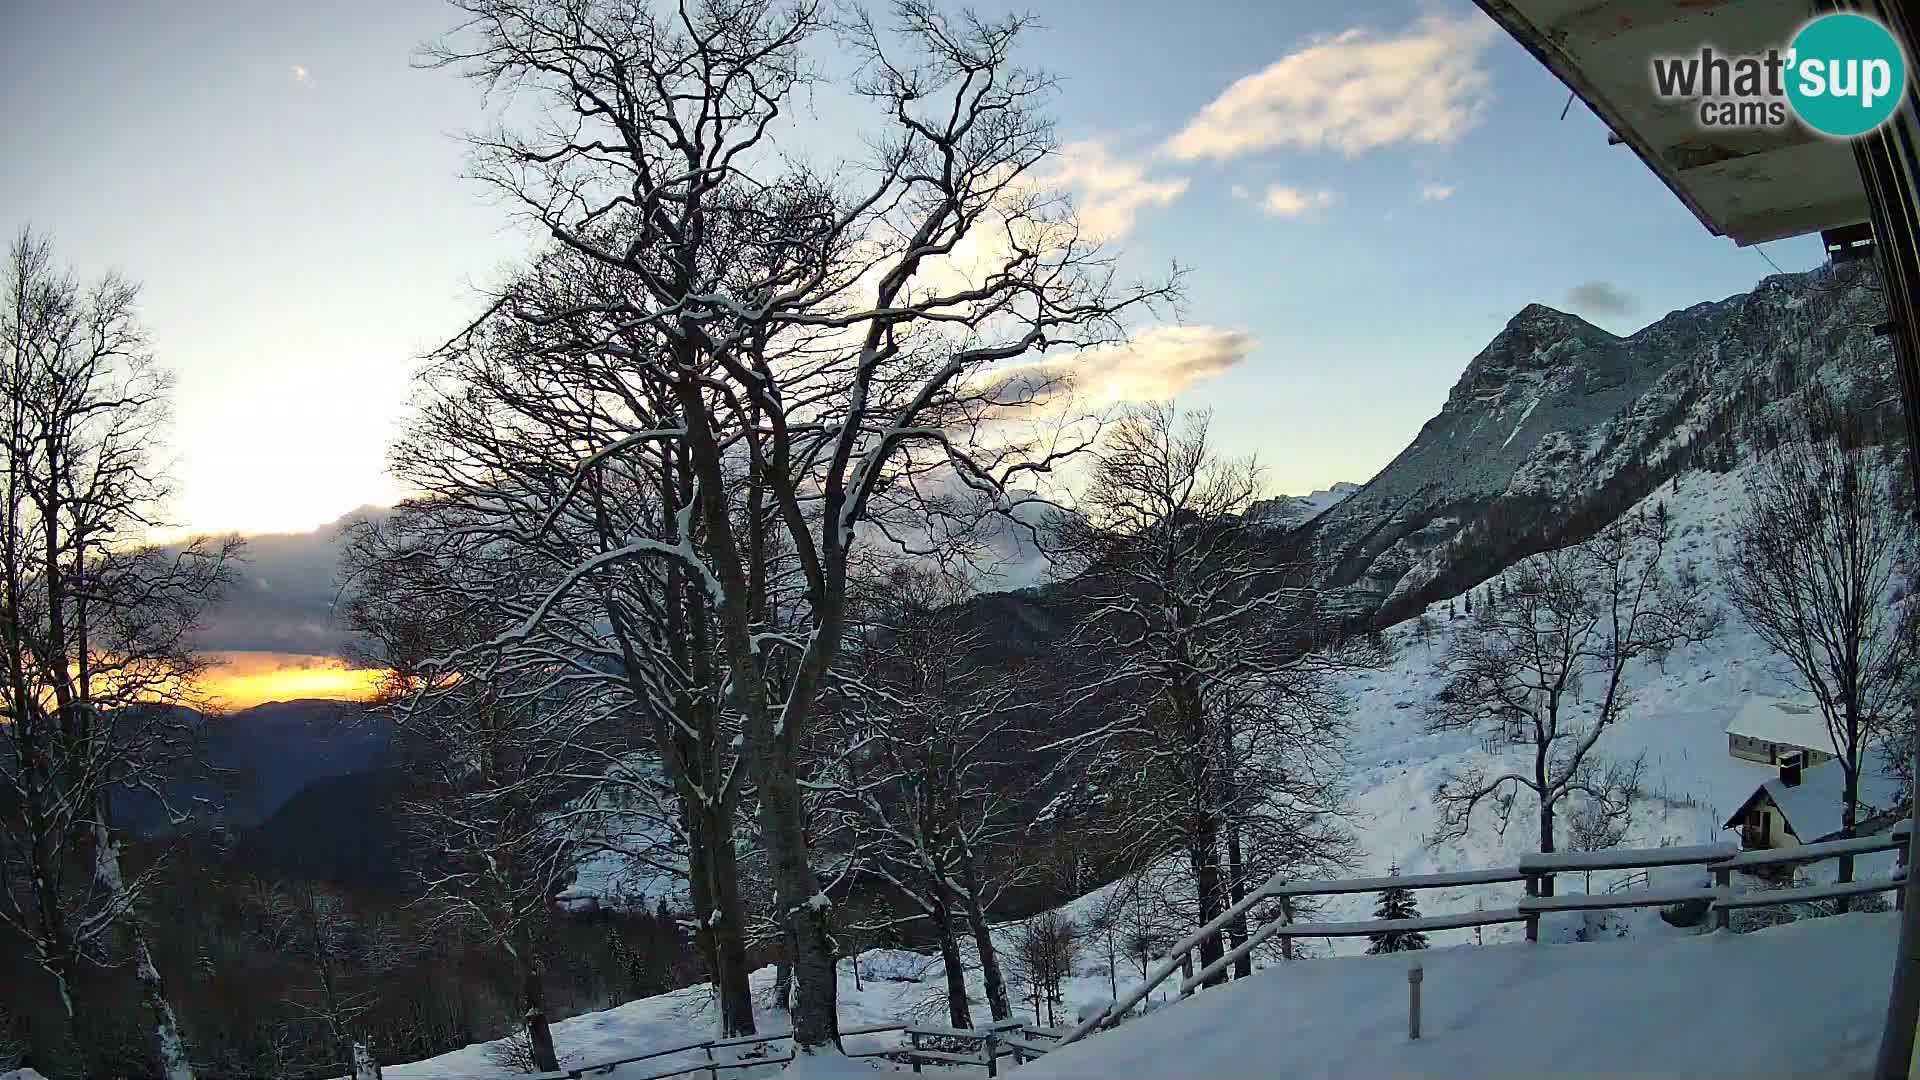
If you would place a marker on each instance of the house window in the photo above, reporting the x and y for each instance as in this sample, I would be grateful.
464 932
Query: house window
1766 826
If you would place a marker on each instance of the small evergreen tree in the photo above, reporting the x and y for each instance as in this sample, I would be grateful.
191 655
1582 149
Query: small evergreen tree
1469 601
1396 903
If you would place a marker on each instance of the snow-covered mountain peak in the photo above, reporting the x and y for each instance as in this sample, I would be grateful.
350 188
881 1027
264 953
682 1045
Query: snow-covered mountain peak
1557 424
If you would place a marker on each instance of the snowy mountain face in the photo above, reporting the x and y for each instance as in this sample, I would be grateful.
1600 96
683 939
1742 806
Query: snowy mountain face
1292 511
1558 425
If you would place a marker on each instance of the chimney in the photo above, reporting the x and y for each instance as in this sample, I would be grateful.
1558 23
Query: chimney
1790 770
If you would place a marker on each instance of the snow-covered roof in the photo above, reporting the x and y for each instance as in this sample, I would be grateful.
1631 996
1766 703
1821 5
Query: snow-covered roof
1812 807
1791 723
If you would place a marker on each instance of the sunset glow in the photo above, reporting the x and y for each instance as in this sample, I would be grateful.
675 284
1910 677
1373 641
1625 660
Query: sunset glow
246 679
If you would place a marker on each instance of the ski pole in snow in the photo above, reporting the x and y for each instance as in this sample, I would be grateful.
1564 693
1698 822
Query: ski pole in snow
1414 975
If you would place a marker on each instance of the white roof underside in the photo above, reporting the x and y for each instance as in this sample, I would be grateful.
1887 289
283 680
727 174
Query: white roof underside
1789 723
1752 186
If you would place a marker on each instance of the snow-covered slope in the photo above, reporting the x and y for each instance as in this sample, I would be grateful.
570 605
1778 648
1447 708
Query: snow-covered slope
1677 715
1795 1001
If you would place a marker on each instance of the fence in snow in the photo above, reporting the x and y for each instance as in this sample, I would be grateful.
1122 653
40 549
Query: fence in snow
1538 872
983 1047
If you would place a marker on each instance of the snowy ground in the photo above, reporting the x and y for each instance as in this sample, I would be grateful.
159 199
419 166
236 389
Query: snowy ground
1795 1001
1657 1003
1799 1000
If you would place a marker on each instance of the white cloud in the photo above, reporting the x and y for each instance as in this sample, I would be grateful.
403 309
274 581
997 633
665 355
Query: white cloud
1283 201
1352 92
1158 362
300 73
1436 192
1110 192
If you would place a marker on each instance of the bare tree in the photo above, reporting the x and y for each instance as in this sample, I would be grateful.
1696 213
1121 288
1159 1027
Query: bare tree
95 623
1547 667
1602 823
1819 557
342 950
632 640
497 756
1045 950
839 370
928 734
497 857
1226 741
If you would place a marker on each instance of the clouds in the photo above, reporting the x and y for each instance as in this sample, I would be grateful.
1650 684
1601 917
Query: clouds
1348 93
241 680
1111 191
1283 201
300 74
1159 362
1601 298
1353 92
282 598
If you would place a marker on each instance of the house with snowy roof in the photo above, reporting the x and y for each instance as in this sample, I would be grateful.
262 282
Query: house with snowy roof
1802 804
1770 731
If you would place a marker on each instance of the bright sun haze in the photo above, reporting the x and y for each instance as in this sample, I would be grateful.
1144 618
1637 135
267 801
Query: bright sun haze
246 679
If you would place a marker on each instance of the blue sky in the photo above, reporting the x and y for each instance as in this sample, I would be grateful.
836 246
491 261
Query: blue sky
1365 194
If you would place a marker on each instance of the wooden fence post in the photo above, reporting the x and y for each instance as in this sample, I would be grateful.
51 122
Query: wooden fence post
915 1036
1722 916
1286 941
1414 975
1186 973
990 1047
1900 895
1533 917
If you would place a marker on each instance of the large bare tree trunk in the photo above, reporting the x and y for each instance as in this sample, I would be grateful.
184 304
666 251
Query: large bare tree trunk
1546 814
1546 843
539 1031
996 985
729 939
806 912
169 1049
1236 892
1204 854
957 1011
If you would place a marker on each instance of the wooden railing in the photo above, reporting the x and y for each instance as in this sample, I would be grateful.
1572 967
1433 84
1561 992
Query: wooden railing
983 1047
1539 873
1002 1039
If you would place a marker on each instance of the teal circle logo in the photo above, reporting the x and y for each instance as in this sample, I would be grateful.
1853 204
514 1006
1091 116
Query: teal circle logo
1845 75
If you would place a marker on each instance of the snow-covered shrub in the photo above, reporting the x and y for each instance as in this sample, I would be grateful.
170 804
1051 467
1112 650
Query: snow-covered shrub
1747 920
515 1053
894 965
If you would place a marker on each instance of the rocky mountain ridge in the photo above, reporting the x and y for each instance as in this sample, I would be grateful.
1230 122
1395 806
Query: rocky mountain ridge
1557 426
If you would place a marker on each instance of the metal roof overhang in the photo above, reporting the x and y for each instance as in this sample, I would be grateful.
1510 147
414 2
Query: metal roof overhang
1752 186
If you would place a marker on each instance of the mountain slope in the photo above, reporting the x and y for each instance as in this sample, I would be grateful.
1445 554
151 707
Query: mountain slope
1557 425
258 758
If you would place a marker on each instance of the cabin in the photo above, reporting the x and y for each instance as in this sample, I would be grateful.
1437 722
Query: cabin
1769 731
1801 805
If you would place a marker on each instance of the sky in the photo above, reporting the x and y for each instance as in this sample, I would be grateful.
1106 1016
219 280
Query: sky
1364 191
